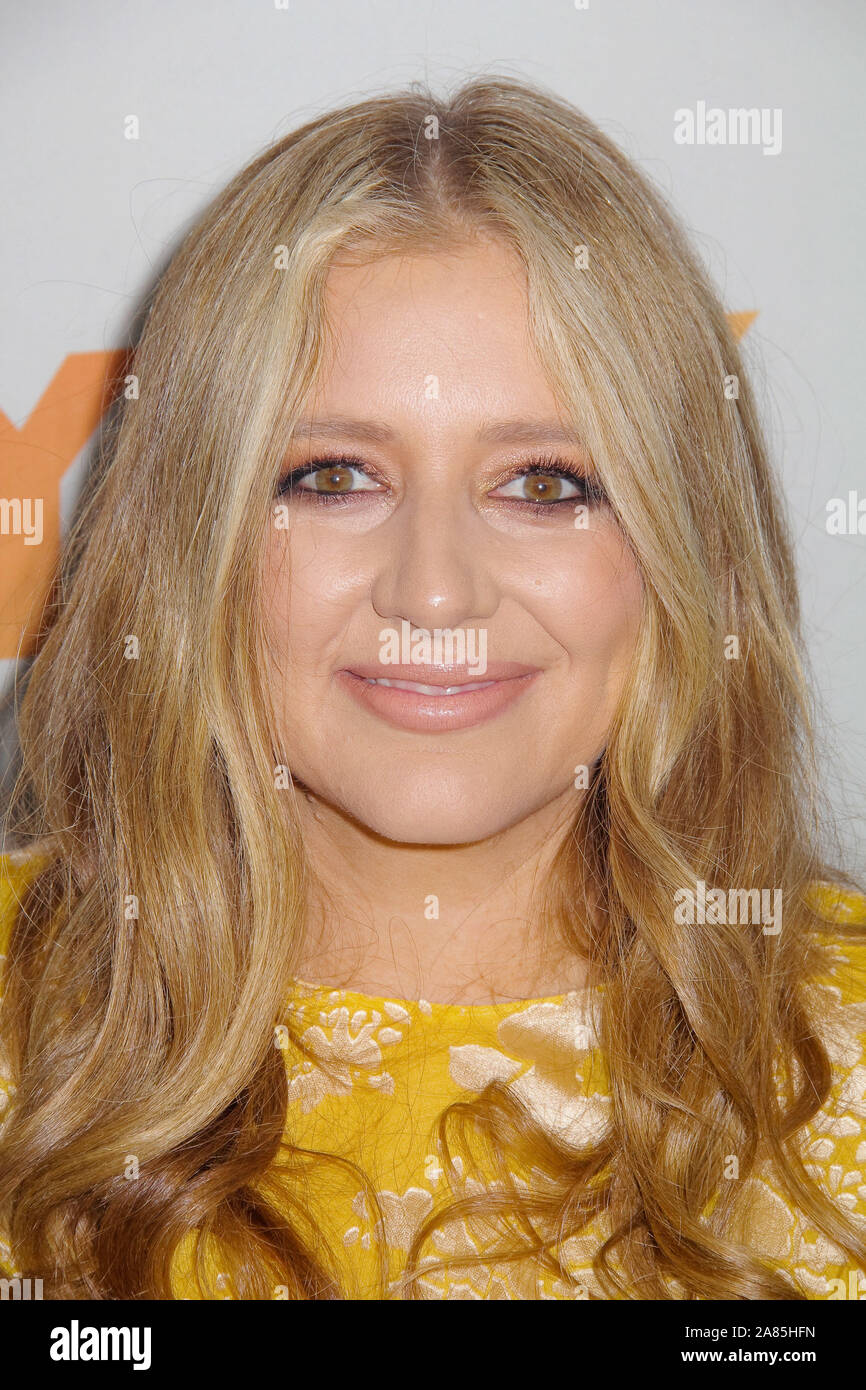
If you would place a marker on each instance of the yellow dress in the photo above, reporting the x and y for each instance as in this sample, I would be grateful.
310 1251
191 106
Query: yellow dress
385 1068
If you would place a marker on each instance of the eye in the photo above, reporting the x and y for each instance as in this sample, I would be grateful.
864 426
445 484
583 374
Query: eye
537 486
329 478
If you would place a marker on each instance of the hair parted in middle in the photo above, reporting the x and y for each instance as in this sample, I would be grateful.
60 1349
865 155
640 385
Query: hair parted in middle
156 776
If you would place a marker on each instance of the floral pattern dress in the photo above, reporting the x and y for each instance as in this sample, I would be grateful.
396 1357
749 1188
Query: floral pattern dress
381 1070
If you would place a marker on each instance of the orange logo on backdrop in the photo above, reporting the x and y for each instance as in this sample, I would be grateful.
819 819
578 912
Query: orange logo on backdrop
33 460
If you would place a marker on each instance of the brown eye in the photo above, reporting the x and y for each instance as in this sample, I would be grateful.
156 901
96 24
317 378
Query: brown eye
539 487
328 478
333 479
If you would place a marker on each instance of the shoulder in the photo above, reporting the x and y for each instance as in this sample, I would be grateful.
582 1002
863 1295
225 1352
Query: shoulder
843 915
841 1130
16 871
843 984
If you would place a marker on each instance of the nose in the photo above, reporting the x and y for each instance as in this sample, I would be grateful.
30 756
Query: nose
434 569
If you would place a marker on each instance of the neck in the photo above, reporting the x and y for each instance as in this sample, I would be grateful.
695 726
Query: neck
447 923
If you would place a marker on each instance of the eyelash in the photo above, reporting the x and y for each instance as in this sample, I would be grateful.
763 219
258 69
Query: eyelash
590 492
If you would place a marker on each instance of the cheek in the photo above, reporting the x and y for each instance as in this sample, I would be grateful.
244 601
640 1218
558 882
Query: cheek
612 603
312 584
589 599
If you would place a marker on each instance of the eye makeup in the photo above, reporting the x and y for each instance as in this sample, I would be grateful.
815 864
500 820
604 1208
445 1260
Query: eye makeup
584 489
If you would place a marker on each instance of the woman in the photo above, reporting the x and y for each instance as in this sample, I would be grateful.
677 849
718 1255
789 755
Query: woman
418 890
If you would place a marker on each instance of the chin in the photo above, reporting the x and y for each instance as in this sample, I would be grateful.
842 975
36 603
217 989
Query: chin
439 821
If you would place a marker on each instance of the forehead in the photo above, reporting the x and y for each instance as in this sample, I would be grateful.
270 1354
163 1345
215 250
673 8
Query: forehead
452 324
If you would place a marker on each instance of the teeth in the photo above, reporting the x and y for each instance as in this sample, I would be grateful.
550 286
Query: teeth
431 689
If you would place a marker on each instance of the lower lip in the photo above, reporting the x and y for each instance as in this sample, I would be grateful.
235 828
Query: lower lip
406 709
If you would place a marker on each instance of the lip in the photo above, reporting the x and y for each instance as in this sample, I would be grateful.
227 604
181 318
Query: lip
502 683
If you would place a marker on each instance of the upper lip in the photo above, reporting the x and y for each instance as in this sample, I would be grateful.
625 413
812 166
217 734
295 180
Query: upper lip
441 675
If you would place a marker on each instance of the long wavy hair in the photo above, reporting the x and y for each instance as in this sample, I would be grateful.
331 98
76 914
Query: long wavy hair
148 744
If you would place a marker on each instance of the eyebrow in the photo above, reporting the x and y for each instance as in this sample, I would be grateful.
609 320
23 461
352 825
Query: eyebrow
491 432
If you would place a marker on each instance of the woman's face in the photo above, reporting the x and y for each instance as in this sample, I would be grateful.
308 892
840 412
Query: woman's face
454 550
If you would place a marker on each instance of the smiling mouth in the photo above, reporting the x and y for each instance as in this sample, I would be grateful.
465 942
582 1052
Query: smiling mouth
436 690
443 702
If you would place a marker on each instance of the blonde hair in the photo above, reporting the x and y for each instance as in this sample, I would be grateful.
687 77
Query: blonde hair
153 777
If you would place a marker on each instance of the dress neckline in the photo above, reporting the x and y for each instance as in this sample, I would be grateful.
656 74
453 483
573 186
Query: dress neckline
333 995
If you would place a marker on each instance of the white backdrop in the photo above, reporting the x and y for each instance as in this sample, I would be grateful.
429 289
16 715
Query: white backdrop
90 216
